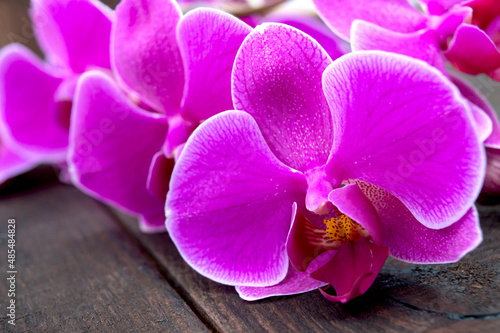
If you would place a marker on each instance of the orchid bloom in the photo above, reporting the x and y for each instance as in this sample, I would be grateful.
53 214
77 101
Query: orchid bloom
324 169
35 96
446 33
172 71
447 27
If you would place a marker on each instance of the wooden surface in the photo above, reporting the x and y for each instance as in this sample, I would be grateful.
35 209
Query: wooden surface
83 267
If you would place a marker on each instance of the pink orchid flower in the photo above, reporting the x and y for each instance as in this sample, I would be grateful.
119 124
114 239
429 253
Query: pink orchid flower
464 33
448 27
36 96
173 72
326 169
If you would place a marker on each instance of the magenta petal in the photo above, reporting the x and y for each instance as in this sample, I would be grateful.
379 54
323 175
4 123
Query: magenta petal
11 164
152 223
484 57
401 134
73 33
112 145
209 40
179 131
483 123
277 79
295 282
395 15
491 186
409 240
159 175
230 203
305 242
145 51
351 201
485 11
474 96
442 4
446 25
27 104
352 270
421 45
333 45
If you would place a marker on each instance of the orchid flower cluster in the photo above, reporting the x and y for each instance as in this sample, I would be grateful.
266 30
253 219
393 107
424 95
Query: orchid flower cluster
277 161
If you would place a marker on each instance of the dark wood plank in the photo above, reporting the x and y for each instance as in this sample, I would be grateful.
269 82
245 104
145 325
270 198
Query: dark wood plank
78 271
469 288
15 24
470 326
488 87
401 300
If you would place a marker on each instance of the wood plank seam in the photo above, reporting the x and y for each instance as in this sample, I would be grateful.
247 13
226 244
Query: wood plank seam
447 314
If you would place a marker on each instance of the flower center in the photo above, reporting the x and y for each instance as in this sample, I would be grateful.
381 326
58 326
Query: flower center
343 229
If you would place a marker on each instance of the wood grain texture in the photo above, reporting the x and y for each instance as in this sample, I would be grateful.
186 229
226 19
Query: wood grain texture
469 288
15 24
78 271
401 300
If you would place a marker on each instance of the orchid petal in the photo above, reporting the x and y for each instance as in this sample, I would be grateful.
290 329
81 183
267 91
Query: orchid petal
493 31
277 79
475 97
333 45
152 222
421 45
28 107
179 130
11 164
401 135
112 145
491 186
295 282
484 57
438 7
395 15
483 123
352 270
73 33
445 25
209 40
145 53
229 204
305 241
485 11
159 175
408 240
